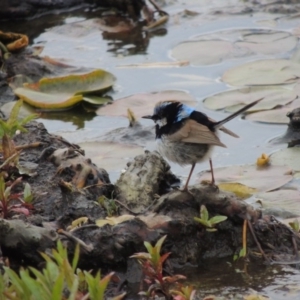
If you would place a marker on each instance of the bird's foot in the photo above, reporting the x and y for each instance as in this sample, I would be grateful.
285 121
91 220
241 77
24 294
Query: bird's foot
211 184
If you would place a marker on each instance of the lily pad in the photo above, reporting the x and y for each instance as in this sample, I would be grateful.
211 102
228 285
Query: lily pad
277 115
110 156
260 179
263 72
233 100
289 157
200 52
64 92
288 200
143 104
228 44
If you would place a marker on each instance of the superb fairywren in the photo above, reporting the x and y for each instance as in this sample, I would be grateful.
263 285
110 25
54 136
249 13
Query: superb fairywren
186 136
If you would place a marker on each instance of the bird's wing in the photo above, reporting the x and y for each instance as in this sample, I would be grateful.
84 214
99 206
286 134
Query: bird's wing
194 132
225 130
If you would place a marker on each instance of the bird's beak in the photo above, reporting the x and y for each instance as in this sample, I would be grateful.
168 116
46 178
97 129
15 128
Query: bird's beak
147 117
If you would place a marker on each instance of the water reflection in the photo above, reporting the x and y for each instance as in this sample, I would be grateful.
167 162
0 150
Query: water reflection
77 116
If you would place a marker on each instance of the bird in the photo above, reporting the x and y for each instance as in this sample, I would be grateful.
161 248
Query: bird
187 136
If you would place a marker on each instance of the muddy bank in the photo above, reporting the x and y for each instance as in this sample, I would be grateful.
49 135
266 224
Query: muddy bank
66 186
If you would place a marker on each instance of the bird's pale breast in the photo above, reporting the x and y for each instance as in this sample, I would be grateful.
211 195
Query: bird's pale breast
183 153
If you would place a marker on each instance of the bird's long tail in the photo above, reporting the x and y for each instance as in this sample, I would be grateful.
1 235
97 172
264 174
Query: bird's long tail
232 116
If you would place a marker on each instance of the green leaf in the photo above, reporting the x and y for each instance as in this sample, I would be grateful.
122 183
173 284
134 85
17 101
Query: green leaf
217 219
28 197
149 247
66 91
76 257
204 213
242 252
203 222
58 287
97 100
74 289
36 289
13 118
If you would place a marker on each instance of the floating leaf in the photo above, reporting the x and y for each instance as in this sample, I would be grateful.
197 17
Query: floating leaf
241 190
260 179
228 44
143 104
263 72
97 100
277 115
47 101
200 52
233 100
284 199
110 156
95 81
64 92
289 157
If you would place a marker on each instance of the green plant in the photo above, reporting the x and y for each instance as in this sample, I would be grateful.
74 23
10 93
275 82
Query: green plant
60 279
13 202
183 292
209 223
295 225
8 129
109 205
152 265
14 123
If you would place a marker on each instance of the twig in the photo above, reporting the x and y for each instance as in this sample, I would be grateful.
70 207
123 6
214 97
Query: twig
86 247
9 159
245 236
32 145
257 242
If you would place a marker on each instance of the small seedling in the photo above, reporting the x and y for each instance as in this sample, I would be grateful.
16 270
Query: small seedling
295 225
60 279
209 223
183 292
152 265
109 205
13 202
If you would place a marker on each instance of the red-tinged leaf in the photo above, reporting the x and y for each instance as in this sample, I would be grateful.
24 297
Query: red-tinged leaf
21 210
164 257
179 297
172 279
141 255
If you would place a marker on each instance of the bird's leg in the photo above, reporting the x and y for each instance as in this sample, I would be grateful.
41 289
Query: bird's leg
187 182
212 172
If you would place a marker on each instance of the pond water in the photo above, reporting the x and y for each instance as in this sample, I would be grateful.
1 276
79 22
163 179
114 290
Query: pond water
111 51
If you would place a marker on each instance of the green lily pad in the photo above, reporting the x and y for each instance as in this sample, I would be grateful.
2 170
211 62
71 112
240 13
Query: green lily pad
260 179
143 104
64 92
263 72
228 44
97 100
233 100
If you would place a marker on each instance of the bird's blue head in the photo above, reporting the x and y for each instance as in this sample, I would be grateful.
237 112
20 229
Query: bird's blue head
170 112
